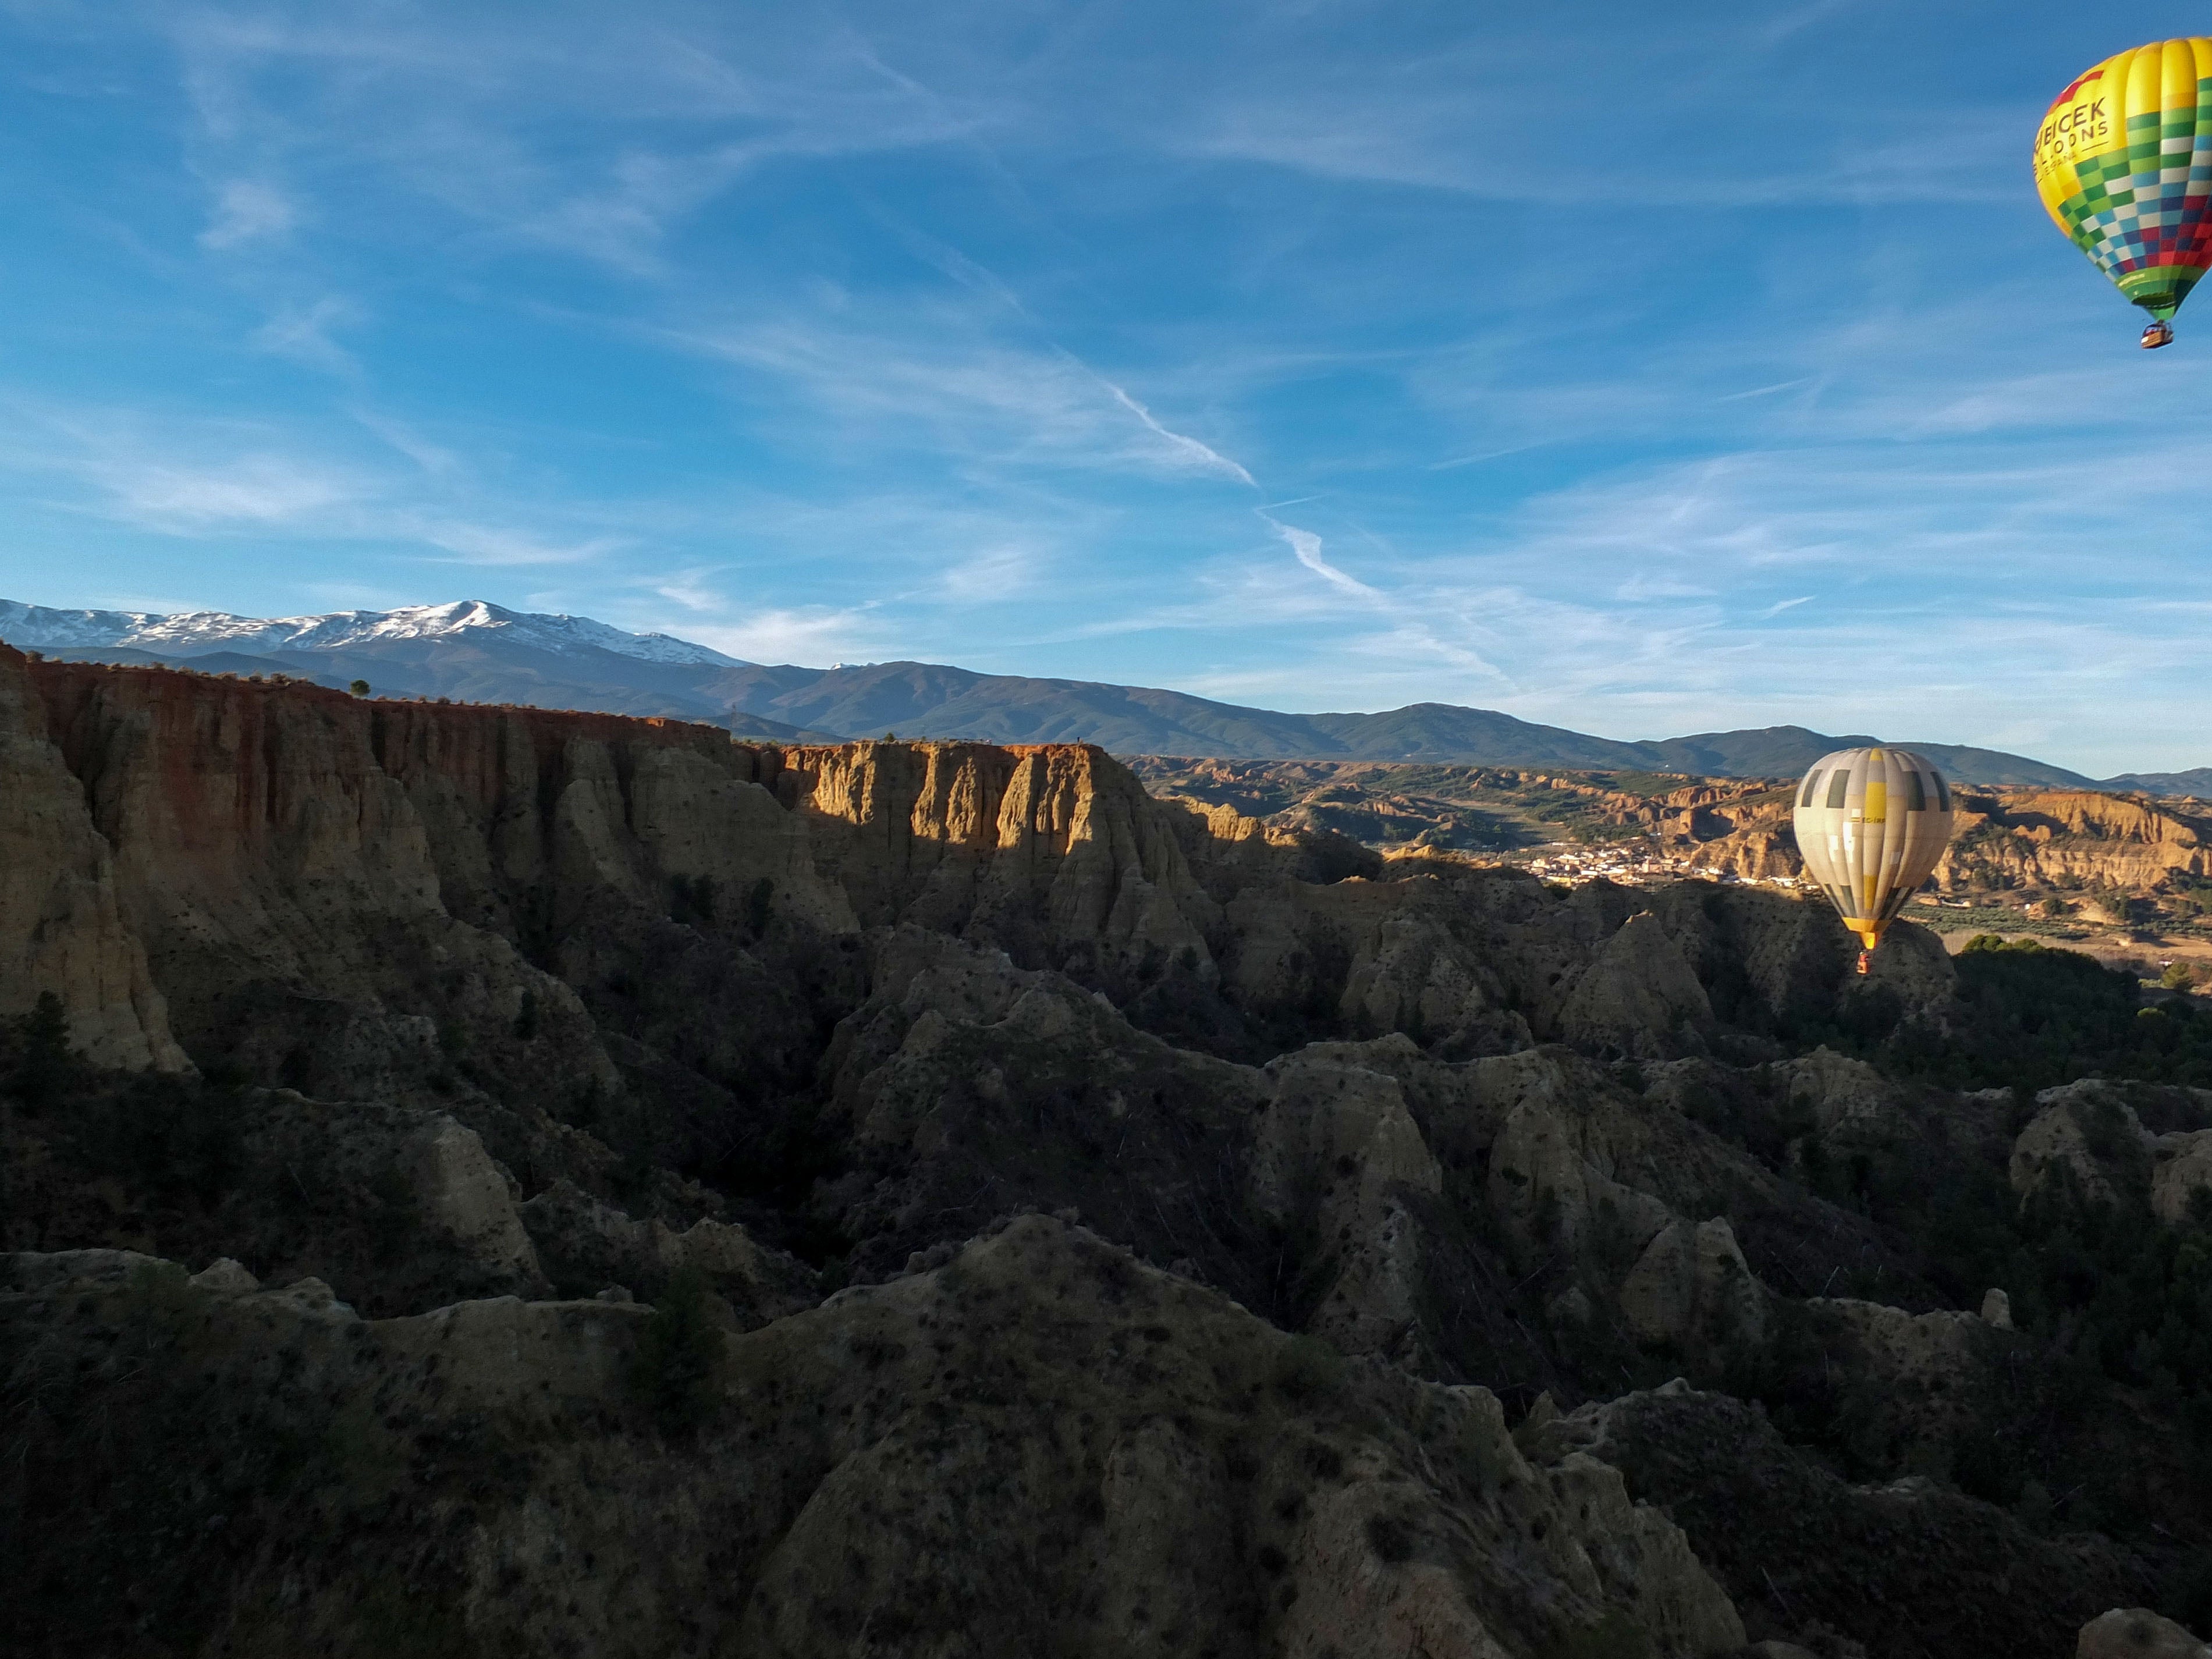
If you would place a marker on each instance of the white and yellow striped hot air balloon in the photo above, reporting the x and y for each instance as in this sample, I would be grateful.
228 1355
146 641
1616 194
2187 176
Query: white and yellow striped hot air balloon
1872 825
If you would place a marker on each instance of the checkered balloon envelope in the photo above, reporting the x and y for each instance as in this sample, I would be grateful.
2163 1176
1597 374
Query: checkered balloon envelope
2124 164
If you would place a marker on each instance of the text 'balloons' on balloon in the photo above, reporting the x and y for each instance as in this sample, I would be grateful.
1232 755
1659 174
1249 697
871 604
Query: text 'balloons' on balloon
1872 825
2124 164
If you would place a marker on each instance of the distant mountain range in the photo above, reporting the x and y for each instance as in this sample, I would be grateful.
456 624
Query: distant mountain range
2197 781
32 627
474 652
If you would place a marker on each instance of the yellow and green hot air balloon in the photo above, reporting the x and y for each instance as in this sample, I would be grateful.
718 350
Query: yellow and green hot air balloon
1872 825
2123 163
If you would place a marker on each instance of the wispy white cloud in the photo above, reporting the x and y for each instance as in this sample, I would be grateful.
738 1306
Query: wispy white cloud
691 590
206 480
817 635
849 335
970 393
1411 116
498 545
485 120
1770 391
432 458
254 490
304 336
247 212
1201 456
1306 546
996 575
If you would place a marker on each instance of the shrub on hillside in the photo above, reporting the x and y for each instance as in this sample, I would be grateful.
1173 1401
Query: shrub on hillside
673 1373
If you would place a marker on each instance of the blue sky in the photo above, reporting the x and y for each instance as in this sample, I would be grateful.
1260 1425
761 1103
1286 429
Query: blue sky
1642 369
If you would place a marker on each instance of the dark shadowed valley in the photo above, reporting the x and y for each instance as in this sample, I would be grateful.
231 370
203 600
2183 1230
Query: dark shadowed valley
488 1180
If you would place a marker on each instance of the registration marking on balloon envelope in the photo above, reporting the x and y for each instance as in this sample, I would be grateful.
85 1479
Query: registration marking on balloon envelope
2124 164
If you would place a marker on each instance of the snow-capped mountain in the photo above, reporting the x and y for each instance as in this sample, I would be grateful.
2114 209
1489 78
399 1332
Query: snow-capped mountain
36 628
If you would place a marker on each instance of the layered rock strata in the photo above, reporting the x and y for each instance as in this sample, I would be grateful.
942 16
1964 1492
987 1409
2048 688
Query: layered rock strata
492 1001
62 930
1041 1447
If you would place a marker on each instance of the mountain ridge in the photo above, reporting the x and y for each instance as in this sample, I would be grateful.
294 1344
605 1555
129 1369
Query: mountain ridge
474 651
38 627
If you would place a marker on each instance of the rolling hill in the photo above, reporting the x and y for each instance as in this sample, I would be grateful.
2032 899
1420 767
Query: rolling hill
474 652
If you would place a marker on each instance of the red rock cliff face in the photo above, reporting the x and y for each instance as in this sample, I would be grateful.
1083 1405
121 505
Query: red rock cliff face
318 881
2036 837
61 929
2004 837
354 897
1055 852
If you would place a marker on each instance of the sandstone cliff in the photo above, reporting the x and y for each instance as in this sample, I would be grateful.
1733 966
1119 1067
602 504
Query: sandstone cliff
1054 854
1041 1447
492 1001
337 894
61 928
1799 1548
2005 838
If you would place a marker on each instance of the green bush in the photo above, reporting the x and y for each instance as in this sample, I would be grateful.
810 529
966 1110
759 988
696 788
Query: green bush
1616 1635
2033 1016
172 1138
673 1373
41 1063
691 900
1306 1368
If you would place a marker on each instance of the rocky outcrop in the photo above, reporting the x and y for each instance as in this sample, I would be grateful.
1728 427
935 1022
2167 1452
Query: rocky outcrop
1847 1100
1336 1156
862 1473
587 1245
1775 962
1926 1366
1752 853
2087 1139
1058 857
965 1082
1336 1189
1798 1549
1691 1286
290 888
2137 1633
2181 1168
1639 997
400 1207
2003 838
621 1011
359 897
2070 837
62 930
470 1199
2085 1136
1054 853
516 915
1554 1161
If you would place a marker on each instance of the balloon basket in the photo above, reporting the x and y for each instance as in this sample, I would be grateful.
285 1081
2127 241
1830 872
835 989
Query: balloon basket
1866 960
